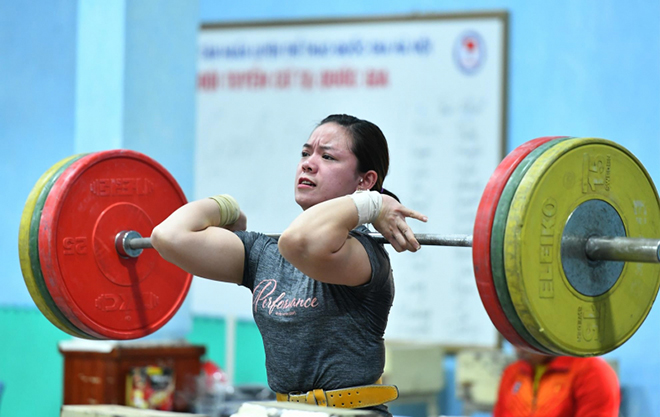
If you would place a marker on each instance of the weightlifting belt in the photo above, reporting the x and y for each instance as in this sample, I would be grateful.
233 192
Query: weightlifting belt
353 397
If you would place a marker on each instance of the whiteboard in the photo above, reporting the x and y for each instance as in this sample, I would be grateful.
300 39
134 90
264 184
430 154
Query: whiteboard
435 85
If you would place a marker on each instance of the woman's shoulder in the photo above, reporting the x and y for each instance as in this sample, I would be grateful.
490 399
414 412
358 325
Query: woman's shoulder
256 241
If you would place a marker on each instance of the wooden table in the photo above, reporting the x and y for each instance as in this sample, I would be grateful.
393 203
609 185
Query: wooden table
98 376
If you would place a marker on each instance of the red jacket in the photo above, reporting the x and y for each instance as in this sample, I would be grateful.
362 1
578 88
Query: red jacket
570 387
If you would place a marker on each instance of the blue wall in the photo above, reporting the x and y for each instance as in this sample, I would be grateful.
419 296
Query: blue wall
82 76
582 68
37 79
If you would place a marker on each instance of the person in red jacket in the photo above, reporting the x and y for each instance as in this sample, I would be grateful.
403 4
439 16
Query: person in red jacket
557 386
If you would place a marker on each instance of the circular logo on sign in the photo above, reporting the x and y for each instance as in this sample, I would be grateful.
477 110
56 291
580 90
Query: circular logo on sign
470 52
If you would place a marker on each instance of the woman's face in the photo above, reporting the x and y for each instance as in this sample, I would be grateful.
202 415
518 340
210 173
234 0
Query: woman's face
327 168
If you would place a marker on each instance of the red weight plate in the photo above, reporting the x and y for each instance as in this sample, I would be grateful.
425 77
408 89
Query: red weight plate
482 237
102 293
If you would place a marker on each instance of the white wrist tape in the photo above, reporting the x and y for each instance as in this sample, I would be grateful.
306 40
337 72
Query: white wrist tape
369 204
229 209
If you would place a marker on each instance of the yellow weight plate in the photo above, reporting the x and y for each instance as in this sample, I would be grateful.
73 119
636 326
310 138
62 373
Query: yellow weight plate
596 317
33 286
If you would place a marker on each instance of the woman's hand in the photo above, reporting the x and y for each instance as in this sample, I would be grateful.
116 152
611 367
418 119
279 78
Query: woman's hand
238 225
391 223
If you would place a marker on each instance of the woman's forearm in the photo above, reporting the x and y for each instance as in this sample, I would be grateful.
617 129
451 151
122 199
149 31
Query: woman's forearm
319 231
192 217
189 239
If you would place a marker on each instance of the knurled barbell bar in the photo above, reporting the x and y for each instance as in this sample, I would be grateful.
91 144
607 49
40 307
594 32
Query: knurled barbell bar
559 225
129 243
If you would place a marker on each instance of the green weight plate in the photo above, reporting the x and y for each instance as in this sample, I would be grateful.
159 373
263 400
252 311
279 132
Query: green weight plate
29 253
553 308
497 244
481 242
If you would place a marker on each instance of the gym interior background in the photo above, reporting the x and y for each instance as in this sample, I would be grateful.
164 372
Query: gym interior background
588 69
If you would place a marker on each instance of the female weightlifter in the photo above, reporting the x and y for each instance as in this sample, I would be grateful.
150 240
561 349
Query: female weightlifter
321 295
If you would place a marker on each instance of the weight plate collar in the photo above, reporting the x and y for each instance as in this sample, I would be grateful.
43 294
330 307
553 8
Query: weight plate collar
591 218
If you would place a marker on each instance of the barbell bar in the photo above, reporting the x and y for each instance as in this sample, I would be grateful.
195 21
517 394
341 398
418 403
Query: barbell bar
76 231
597 248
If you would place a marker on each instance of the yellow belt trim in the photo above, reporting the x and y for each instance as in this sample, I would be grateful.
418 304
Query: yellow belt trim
354 397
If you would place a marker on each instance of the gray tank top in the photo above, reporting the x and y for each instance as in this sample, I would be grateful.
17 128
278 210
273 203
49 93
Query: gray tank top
318 335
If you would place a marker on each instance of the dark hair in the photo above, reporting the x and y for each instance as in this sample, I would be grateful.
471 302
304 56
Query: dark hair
369 146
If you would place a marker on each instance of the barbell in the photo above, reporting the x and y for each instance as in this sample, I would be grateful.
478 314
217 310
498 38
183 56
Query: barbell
564 246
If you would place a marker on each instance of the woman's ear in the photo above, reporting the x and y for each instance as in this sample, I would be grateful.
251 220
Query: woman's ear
369 180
